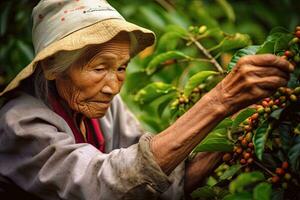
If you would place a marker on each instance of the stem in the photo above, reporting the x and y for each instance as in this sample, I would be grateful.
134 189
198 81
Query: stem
264 168
207 54
182 76
215 47
194 59
165 5
229 136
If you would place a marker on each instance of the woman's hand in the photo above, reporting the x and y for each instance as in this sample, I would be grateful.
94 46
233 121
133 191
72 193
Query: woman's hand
253 78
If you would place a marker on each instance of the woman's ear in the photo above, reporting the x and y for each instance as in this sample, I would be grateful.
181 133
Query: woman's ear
46 65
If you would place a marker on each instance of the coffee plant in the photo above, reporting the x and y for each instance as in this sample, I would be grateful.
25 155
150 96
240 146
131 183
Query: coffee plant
263 141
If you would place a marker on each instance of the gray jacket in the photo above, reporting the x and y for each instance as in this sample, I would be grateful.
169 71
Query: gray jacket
39 154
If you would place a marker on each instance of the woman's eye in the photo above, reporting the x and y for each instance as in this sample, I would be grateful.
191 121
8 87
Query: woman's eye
98 69
122 68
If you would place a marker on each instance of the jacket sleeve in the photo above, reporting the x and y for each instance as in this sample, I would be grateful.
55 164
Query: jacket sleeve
38 153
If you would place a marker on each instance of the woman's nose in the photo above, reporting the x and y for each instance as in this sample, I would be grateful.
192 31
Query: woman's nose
112 84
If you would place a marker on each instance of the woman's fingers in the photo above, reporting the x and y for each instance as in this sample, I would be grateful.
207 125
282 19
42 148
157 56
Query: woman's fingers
267 60
271 82
266 71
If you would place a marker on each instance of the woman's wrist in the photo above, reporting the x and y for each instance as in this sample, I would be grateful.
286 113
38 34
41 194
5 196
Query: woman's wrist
174 144
216 102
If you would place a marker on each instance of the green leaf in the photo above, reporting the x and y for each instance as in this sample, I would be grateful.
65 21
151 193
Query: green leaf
278 29
251 50
163 102
136 81
284 130
278 194
244 180
173 17
260 138
276 41
153 91
25 49
178 29
276 114
228 9
151 124
282 43
168 41
202 15
226 123
294 157
262 191
4 18
239 196
196 80
152 17
234 42
215 141
242 116
160 58
232 170
205 192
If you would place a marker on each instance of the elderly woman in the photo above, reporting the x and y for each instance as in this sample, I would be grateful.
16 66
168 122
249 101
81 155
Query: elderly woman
65 133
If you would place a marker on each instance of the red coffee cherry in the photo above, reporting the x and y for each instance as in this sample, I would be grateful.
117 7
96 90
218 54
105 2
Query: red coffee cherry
275 179
227 157
250 160
244 142
265 103
288 54
239 150
285 165
251 145
297 34
247 155
243 161
279 171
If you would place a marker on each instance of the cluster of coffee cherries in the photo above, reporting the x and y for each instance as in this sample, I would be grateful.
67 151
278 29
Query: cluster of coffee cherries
198 30
290 54
280 99
281 176
183 103
243 151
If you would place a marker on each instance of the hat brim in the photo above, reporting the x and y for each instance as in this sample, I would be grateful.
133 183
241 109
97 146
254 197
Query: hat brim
97 33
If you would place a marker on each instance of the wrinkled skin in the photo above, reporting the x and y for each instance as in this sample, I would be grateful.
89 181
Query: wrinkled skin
253 78
90 84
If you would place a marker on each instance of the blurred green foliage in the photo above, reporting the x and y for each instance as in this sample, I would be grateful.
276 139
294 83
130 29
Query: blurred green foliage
16 49
252 17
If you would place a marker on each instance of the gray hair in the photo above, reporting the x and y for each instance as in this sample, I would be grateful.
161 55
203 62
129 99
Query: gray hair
60 62
48 68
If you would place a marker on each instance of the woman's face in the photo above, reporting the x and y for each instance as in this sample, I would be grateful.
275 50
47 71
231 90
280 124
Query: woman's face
89 85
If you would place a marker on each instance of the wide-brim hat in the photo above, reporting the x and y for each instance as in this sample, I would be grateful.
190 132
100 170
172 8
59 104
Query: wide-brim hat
69 25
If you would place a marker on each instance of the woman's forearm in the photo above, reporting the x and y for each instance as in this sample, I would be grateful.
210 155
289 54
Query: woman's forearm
198 168
173 145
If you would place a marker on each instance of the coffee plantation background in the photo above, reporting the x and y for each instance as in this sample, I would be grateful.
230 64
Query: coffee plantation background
196 41
253 17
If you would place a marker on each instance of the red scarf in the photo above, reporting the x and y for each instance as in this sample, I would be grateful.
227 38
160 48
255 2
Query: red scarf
94 134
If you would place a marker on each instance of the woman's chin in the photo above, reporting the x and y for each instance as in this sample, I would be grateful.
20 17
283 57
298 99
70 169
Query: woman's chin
95 113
